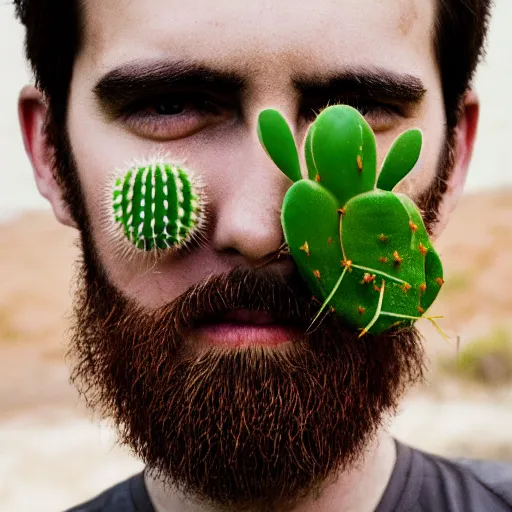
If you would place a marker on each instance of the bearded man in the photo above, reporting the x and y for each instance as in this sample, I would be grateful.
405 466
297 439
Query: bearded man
201 359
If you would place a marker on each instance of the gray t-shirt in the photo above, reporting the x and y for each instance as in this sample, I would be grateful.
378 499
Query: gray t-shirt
420 482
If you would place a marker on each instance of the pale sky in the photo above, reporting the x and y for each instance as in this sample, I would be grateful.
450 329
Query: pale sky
492 161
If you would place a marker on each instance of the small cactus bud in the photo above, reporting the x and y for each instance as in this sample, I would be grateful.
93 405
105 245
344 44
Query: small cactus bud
383 259
413 226
305 248
368 278
316 273
383 239
342 211
421 310
423 287
406 287
440 281
423 249
359 163
397 259
347 264
317 178
361 310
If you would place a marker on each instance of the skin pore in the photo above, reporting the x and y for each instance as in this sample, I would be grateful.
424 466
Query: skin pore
189 81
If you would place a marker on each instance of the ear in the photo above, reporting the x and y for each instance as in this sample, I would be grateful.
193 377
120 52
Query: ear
465 134
32 112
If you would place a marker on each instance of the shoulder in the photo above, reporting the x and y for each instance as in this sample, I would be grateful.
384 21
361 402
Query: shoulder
127 496
474 484
492 474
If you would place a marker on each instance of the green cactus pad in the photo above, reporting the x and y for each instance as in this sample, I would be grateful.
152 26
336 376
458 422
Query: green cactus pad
314 243
157 206
362 249
343 152
401 158
277 139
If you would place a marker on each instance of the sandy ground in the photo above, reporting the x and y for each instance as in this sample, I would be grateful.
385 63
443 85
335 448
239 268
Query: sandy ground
53 453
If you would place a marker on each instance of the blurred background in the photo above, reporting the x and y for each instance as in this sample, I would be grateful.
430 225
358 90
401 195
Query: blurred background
54 453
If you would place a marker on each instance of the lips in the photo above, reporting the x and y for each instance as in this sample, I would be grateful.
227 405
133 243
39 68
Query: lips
244 327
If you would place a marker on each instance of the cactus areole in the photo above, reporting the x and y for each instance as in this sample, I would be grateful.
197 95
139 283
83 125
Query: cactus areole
361 248
156 206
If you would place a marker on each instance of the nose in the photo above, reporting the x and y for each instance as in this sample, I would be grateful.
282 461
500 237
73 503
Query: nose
248 218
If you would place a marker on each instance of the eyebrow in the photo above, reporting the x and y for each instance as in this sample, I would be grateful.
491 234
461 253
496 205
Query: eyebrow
134 80
372 83
142 79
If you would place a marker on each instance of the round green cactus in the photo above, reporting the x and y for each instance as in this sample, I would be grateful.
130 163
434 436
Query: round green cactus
360 247
157 206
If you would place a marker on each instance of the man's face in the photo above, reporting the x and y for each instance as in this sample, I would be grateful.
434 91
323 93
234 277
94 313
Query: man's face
254 424
288 55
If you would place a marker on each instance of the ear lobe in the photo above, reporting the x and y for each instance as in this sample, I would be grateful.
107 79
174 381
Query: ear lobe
32 112
465 136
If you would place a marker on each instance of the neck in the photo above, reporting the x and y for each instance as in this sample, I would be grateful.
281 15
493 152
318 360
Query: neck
358 489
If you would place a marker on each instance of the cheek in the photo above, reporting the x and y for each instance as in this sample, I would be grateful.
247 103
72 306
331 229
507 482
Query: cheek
101 150
432 125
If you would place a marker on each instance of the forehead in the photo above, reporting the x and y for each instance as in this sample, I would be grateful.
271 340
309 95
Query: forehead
262 37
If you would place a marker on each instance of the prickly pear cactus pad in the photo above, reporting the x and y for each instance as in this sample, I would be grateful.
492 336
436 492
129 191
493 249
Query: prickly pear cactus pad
361 248
156 206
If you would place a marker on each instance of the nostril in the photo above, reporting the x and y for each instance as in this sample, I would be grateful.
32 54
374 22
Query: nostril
231 251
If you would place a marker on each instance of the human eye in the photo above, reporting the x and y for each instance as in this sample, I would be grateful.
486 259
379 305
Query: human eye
173 115
381 116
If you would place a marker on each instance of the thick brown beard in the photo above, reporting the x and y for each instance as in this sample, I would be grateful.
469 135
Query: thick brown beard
248 428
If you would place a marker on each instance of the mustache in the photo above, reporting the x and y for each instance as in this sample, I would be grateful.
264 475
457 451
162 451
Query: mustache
286 298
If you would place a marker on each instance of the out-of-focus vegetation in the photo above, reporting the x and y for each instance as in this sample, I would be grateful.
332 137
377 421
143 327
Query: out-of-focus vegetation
486 359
